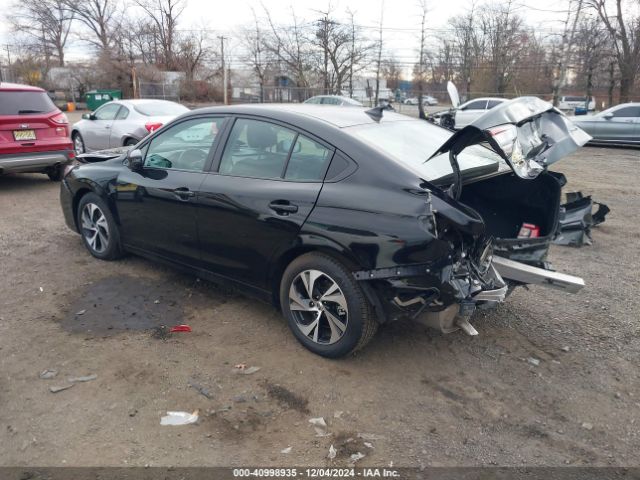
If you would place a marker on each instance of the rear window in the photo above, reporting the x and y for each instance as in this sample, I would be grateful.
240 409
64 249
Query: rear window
24 103
412 142
160 109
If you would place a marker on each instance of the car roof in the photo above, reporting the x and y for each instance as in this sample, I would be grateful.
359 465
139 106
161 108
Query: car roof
487 98
334 115
17 87
142 101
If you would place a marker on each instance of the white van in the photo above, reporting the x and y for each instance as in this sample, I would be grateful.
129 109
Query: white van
570 102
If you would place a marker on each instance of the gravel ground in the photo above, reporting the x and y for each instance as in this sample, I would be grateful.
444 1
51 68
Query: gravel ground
424 398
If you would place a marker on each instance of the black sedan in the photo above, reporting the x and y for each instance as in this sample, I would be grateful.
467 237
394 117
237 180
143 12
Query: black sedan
344 218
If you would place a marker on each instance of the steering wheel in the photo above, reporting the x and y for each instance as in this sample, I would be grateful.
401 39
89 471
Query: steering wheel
193 157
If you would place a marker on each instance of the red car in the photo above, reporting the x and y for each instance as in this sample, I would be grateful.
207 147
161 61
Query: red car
34 133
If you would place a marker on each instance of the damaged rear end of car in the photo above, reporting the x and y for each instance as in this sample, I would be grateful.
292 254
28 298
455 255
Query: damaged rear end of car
484 234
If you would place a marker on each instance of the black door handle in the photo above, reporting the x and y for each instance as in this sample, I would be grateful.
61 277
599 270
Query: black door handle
184 193
283 207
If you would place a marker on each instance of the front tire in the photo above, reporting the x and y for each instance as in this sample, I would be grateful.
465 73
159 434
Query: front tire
130 142
98 228
78 143
326 309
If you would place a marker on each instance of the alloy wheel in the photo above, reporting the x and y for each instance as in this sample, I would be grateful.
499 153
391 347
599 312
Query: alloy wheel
95 227
318 306
78 145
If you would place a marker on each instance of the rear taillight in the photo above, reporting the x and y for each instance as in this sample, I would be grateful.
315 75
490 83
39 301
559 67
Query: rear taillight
152 126
60 118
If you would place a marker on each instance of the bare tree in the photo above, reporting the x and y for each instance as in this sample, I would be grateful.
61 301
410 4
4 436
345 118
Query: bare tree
46 23
193 49
467 46
503 34
100 17
164 14
257 56
379 47
420 69
342 52
624 28
592 53
566 46
289 45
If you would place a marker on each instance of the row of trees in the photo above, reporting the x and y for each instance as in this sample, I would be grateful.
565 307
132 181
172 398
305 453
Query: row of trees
490 49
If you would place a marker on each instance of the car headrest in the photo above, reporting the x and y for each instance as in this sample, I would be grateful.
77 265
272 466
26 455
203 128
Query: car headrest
260 135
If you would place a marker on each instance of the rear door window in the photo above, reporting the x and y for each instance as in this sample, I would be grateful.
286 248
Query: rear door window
493 103
478 105
257 149
24 103
108 112
308 161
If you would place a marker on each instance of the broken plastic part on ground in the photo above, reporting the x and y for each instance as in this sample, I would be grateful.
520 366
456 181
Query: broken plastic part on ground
179 418
577 219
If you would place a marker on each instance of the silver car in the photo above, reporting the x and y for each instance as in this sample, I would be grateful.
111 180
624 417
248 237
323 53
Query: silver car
122 123
333 100
617 125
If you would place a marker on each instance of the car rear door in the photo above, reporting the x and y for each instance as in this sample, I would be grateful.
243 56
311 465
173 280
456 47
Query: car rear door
97 133
469 112
157 205
253 205
120 127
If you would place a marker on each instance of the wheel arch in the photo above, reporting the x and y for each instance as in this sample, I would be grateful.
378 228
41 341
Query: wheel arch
330 249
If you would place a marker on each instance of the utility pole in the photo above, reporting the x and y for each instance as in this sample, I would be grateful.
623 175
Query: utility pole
224 70
379 62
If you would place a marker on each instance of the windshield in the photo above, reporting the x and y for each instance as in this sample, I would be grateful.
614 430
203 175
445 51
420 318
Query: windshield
412 142
160 109
24 103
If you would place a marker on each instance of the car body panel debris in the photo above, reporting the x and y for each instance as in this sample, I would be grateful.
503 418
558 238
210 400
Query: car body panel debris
246 370
577 219
201 389
320 426
60 388
86 378
332 452
48 373
179 418
286 450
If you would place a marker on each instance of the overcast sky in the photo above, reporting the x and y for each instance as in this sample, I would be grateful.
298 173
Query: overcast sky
401 19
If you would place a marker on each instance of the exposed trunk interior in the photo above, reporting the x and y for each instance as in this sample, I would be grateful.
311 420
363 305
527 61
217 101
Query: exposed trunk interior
506 202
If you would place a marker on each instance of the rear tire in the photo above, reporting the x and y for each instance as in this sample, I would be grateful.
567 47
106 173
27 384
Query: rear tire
98 228
55 173
130 142
334 318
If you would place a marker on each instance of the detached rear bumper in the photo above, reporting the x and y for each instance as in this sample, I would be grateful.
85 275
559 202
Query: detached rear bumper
34 161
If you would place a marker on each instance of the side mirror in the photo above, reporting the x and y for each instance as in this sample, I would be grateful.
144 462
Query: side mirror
135 161
608 115
88 116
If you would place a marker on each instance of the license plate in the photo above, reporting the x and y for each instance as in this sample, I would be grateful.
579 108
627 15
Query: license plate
20 135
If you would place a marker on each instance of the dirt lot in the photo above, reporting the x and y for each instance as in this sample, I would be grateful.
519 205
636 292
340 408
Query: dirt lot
429 399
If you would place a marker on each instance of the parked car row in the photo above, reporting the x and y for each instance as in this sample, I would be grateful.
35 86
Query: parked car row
35 135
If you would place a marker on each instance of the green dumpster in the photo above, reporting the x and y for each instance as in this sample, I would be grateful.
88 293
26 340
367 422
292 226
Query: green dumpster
95 98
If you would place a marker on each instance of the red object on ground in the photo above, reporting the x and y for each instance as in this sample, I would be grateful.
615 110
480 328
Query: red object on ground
529 230
180 328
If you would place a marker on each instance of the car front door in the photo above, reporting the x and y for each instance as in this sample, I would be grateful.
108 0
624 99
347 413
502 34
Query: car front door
469 112
98 132
157 205
253 206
